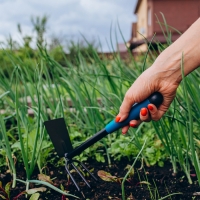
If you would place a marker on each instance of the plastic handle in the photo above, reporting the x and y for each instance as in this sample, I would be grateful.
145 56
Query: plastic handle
156 99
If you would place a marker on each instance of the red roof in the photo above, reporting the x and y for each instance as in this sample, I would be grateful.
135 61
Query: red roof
137 6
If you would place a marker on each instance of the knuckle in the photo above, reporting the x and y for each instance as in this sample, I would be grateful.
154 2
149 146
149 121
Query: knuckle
155 119
121 110
128 97
147 120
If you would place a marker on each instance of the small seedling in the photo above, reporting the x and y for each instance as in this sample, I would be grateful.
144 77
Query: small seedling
5 192
34 195
131 173
108 177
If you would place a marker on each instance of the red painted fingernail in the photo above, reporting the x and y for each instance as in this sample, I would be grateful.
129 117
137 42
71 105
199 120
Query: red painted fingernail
143 111
132 125
117 118
150 107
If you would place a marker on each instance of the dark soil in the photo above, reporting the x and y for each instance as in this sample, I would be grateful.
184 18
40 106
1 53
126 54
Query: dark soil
147 183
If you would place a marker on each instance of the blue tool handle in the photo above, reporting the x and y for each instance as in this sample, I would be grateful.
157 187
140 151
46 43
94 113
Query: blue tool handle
156 99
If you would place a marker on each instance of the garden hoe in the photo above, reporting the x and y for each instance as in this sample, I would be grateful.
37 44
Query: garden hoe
59 136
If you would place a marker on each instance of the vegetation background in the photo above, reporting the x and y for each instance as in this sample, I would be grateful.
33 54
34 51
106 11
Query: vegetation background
86 88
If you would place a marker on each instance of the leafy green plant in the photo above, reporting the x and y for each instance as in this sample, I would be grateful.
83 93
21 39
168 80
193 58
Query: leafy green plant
153 153
5 191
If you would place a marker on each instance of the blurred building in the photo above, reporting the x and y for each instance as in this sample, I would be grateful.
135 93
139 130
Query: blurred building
179 14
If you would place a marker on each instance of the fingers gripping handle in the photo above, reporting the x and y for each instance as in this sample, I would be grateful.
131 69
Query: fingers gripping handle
134 114
156 99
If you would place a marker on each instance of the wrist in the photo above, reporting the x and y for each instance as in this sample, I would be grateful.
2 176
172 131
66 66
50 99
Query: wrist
168 67
184 52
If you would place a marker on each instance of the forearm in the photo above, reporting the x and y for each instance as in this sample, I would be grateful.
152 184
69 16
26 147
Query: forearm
186 47
164 76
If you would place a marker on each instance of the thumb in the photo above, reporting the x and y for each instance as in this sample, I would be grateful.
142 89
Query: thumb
132 96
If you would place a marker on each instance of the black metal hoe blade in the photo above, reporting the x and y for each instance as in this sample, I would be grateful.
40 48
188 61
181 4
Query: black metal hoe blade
59 136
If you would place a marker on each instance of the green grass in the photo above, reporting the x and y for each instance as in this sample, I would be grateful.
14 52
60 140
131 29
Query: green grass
49 84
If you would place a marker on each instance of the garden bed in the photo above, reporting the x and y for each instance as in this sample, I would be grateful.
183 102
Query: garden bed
146 183
87 92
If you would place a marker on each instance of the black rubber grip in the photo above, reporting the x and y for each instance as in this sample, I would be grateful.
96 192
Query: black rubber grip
156 98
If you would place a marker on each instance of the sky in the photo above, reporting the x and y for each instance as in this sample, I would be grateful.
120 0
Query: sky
96 20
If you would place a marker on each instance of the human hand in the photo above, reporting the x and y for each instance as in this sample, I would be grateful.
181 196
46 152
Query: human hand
154 79
163 76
